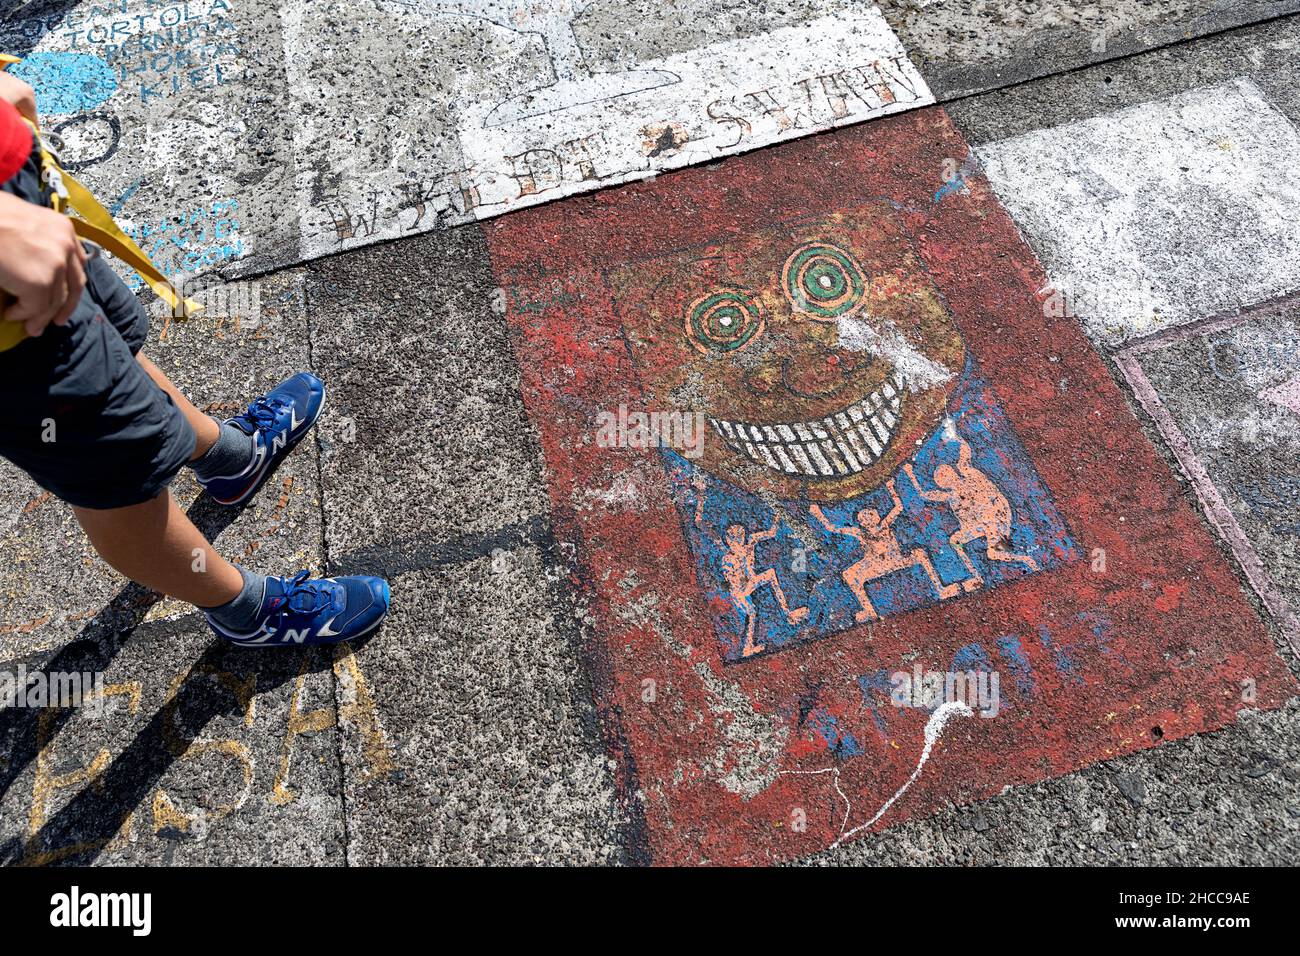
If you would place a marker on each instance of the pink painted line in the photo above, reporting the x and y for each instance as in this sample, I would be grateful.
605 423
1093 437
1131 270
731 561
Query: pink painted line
1178 333
1216 509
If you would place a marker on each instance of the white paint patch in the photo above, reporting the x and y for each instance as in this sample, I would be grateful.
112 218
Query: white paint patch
933 731
860 333
1162 213
750 743
526 138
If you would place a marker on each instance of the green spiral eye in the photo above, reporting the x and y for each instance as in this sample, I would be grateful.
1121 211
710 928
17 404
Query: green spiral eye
823 281
724 321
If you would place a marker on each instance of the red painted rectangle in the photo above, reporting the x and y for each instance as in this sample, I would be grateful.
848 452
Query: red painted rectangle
1104 606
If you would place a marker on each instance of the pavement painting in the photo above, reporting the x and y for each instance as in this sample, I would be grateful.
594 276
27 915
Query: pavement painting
769 499
829 446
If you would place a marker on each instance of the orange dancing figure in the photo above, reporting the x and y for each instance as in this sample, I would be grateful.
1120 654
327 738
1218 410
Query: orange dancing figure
981 510
881 553
738 569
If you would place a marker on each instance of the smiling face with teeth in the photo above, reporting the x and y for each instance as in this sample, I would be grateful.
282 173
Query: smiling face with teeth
820 353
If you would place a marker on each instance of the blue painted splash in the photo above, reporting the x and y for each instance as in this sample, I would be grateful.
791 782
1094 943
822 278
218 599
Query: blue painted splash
971 658
1013 652
956 184
839 739
123 199
1099 623
877 689
812 579
1061 658
67 82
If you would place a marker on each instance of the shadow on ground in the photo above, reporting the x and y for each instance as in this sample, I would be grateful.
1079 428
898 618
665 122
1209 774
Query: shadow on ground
104 806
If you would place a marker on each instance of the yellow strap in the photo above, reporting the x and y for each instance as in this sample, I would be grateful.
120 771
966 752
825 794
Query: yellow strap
98 226
7 59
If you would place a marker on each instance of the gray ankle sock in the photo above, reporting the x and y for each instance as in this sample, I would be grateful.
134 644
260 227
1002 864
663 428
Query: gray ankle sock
240 615
229 454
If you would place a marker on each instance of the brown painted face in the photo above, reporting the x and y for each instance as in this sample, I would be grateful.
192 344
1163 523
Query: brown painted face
820 353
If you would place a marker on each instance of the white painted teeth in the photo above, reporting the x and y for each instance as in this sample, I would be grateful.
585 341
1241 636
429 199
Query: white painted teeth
843 444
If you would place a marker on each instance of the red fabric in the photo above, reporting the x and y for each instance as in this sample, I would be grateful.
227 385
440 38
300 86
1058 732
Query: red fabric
15 141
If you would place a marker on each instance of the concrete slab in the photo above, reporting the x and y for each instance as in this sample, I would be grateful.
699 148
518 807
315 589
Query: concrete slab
967 48
54 586
485 747
175 115
424 437
508 128
1158 214
758 582
1229 798
186 751
1265 53
1225 396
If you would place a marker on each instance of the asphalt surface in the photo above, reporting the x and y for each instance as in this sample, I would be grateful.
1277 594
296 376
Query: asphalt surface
469 730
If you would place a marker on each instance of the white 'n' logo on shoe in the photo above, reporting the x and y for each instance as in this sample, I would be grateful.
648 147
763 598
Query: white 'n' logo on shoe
296 635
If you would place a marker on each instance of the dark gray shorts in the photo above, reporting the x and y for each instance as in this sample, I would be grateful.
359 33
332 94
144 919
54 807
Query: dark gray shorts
77 411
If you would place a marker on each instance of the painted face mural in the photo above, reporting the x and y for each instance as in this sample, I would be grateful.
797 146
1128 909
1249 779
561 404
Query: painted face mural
856 465
820 353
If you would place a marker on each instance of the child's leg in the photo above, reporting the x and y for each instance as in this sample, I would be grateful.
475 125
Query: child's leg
128 316
107 433
156 545
205 426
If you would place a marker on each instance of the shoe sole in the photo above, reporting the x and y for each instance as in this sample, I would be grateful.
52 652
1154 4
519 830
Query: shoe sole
271 467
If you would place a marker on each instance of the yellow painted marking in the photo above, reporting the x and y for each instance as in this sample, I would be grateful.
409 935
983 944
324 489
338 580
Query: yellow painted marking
357 710
299 723
47 783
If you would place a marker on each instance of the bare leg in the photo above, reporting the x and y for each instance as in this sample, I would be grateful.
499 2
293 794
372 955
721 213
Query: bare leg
749 647
945 590
156 545
999 553
857 583
974 581
205 427
768 577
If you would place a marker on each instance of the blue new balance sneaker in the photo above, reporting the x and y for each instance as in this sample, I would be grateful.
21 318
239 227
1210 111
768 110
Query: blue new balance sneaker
300 611
277 422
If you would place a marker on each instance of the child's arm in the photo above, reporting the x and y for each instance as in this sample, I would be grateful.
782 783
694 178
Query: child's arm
15 91
927 495
42 263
